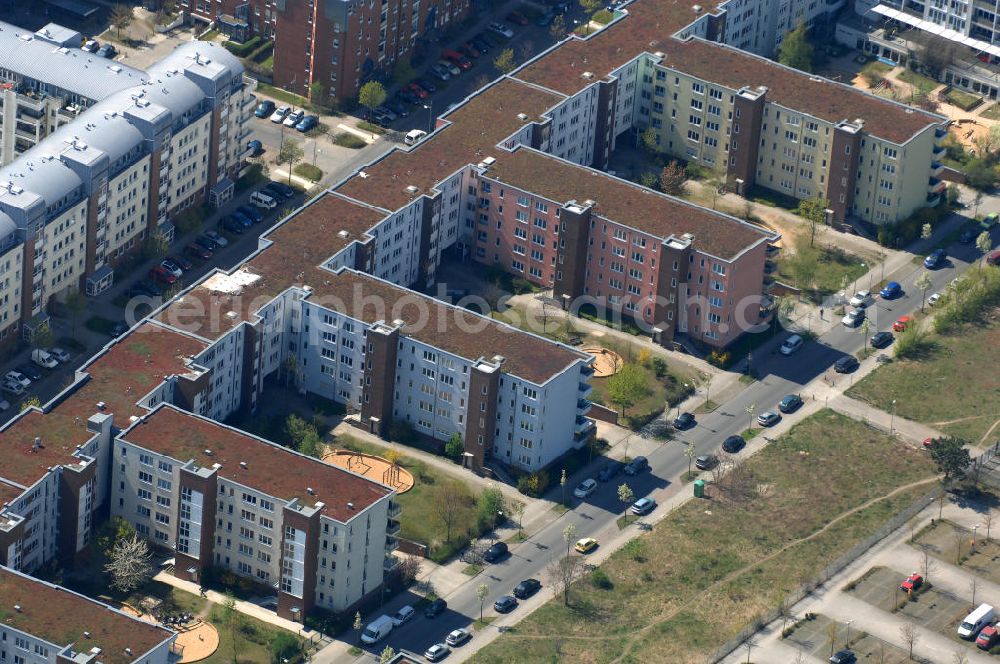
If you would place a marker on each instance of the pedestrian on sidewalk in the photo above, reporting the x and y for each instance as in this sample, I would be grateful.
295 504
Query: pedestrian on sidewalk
821 314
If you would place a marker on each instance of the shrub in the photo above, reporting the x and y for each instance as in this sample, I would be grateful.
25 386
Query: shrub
601 580
603 17
244 49
521 286
719 358
912 343
977 293
349 140
659 367
534 484
309 172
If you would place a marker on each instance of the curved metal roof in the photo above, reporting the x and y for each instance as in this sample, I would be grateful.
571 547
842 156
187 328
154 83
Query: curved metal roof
41 174
7 228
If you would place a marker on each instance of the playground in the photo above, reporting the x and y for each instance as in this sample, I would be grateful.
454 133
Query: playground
196 639
373 467
606 361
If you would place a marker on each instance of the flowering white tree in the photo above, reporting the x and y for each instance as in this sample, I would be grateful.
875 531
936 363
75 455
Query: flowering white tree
129 564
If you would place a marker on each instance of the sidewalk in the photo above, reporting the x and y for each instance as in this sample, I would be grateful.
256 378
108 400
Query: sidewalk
244 607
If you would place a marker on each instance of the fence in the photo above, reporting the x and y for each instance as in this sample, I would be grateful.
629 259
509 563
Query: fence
829 572
602 413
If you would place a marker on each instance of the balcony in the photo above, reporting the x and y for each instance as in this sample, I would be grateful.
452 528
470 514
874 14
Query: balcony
391 543
936 186
936 168
583 406
392 527
583 425
390 563
940 132
938 151
587 371
395 510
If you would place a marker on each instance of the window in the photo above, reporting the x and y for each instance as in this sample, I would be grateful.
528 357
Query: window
145 477
166 467
162 518
146 459
163 484
523 201
890 153
144 494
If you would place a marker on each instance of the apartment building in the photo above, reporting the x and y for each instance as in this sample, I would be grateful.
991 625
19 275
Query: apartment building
759 26
92 191
47 624
46 81
337 44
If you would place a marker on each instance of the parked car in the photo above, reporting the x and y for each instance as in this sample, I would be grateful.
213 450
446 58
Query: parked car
987 637
436 652
382 117
481 44
453 70
935 259
12 387
637 465
180 262
843 657
517 18
407 97
733 444
264 108
119 328
585 545
17 377
505 604
280 113
284 191
397 107
33 373
545 20
162 275
251 212
882 339
246 221
846 364
934 299
862 298
426 84
989 221
387 112
217 238
790 403
854 318
404 614
768 418
440 71
4 405
911 583
684 421
175 270
107 51
293 118
60 354
901 324
91 46
496 552
585 488
233 225
435 608
307 123
527 588
256 148
457 637
968 236
891 291
417 90
643 506
791 344
610 469
145 288
706 462
198 251
377 629
501 29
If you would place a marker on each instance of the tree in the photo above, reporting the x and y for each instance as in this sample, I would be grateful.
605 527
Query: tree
357 628
796 50
76 304
959 657
831 635
482 590
689 452
973 587
569 534
951 457
988 520
749 410
31 402
403 72
647 139
909 635
42 336
371 96
927 564
864 329
590 7
454 447
977 200
672 179
290 153
156 246
450 503
984 243
813 210
504 62
129 564
386 655
626 497
953 194
627 387
564 572
562 485
517 509
121 17
490 505
924 283
558 27
979 174
232 619
317 94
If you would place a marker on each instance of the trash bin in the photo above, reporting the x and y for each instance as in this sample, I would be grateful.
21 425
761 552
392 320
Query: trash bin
699 488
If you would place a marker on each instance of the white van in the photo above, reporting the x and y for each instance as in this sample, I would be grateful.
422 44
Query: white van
43 359
262 200
975 621
413 136
377 629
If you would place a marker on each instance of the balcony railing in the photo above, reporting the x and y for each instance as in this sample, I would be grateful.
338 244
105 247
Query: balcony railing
392 527
395 510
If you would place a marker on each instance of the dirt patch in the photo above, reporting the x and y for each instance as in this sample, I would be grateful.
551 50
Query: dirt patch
198 642
967 131
606 361
373 467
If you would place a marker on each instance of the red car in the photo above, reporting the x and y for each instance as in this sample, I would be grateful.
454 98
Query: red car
457 59
912 583
417 90
517 17
901 324
180 262
162 275
928 443
198 251
468 49
987 637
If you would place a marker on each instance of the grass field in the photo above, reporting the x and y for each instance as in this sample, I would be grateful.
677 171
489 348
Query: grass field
255 641
818 270
711 567
420 521
919 81
954 389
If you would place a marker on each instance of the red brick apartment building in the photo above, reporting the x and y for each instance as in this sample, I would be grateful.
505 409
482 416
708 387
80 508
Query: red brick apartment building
336 43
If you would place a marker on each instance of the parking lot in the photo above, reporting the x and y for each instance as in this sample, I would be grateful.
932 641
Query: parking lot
952 543
930 607
813 637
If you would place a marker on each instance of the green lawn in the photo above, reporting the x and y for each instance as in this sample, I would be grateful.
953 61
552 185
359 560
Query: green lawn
420 520
309 172
992 113
818 270
954 390
919 81
964 100
255 641
712 566
282 95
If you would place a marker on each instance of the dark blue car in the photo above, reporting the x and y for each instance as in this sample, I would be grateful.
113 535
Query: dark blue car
233 225
935 259
891 291
243 219
253 213
264 109
307 123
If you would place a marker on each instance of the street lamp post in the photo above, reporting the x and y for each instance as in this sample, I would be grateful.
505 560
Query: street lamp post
892 418
679 403
848 643
974 529
430 116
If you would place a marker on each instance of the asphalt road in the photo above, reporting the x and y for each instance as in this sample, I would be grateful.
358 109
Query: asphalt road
596 515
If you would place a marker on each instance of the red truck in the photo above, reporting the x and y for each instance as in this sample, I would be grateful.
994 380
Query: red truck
456 59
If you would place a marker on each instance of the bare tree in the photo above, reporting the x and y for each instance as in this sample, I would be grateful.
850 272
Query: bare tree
959 538
973 587
959 658
784 614
941 498
909 636
482 590
880 655
988 520
831 635
569 534
387 655
233 620
564 572
129 564
928 564
449 503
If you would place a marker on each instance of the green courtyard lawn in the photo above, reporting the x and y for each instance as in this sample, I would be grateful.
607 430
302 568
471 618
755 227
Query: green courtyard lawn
819 270
420 520
954 388
922 83
256 642
711 567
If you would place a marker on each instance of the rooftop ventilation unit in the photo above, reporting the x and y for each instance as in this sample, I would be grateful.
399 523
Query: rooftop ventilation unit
412 190
310 491
588 75
523 117
344 234
243 465
208 452
350 506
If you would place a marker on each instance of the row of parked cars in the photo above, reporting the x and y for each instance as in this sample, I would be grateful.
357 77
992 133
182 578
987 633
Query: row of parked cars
287 116
20 378
106 50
